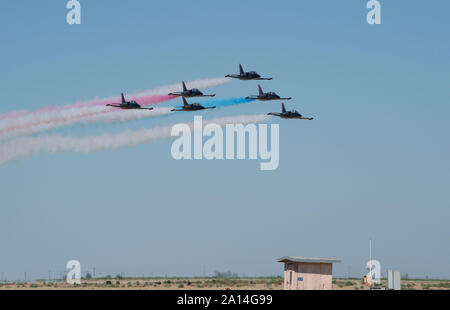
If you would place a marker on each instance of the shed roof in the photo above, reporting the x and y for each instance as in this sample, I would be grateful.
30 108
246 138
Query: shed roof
295 259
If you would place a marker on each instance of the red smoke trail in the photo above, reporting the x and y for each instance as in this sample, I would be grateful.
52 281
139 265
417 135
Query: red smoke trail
143 101
148 100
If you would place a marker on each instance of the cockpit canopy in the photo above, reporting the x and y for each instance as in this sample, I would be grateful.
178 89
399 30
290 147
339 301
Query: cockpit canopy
253 73
271 93
195 90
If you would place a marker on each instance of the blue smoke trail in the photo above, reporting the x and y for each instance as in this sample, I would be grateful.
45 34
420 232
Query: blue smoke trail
221 103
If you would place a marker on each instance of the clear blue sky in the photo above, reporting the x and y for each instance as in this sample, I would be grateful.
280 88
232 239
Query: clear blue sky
373 164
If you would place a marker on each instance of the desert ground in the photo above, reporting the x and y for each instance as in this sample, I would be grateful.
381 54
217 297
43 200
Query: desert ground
208 283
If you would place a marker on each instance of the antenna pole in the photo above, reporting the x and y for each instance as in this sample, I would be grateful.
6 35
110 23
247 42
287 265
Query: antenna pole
370 259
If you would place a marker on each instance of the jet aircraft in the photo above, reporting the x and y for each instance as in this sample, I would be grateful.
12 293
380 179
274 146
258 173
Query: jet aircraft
250 75
289 114
191 107
127 104
194 92
266 96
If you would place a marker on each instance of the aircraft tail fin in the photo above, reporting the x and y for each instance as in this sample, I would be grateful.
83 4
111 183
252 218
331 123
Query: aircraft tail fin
123 98
184 101
260 89
283 109
184 86
241 71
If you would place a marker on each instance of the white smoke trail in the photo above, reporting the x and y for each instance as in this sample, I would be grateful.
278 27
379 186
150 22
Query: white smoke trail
161 90
28 146
13 126
48 116
201 84
101 115
126 115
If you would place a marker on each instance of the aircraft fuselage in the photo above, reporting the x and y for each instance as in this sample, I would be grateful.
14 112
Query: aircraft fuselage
290 115
190 94
247 77
125 106
266 97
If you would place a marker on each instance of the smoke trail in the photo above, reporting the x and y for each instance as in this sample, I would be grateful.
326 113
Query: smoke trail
201 84
31 124
27 119
17 123
100 114
103 115
162 90
221 103
29 146
96 114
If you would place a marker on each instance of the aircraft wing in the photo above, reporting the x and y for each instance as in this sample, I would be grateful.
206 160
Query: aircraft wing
274 114
146 108
113 105
308 118
210 107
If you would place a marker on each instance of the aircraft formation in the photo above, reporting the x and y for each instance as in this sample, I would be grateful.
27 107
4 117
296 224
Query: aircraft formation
194 92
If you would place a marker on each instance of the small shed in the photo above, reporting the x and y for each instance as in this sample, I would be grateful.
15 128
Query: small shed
306 273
